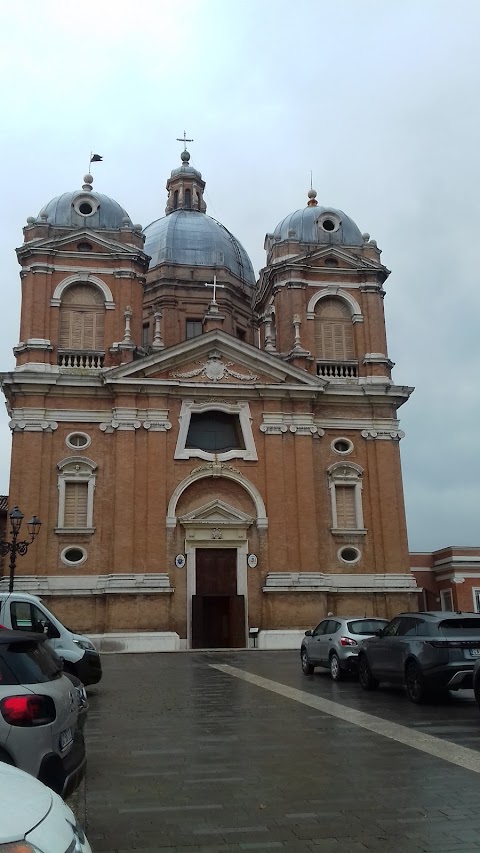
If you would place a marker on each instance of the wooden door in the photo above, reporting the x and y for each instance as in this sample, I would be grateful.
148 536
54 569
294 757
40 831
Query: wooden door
218 613
216 571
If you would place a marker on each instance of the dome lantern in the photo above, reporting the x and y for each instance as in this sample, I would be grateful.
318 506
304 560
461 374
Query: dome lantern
185 188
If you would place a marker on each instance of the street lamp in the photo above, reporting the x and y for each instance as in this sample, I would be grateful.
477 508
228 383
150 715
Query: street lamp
13 548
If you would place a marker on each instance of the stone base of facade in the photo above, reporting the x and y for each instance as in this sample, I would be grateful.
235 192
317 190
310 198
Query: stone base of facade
157 641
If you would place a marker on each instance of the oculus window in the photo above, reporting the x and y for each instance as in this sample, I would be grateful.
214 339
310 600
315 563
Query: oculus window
215 432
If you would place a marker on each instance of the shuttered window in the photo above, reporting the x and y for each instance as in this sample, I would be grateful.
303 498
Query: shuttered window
333 331
82 319
76 502
346 512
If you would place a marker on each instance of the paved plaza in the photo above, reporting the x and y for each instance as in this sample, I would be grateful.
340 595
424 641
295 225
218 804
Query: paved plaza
232 751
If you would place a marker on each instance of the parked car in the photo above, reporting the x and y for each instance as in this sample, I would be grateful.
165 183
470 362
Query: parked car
34 818
335 643
21 611
429 652
39 730
476 681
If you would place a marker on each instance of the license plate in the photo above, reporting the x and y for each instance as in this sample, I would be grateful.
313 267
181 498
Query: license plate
475 653
66 738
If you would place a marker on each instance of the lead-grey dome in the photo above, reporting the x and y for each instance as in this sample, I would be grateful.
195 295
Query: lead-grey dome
66 211
307 225
194 239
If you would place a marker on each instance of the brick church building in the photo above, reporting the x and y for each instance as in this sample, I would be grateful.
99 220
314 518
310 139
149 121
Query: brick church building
210 455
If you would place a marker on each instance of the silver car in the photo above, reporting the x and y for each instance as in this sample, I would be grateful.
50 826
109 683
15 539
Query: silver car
39 730
335 643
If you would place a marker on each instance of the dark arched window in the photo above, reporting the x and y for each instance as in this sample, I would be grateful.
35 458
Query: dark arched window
215 432
175 199
188 199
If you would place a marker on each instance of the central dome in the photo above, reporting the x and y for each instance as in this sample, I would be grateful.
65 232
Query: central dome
192 238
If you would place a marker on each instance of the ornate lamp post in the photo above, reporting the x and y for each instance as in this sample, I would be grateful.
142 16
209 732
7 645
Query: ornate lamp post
13 548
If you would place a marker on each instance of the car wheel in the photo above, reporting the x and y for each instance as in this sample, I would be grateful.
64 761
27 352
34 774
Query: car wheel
417 690
476 690
365 677
336 670
306 665
6 758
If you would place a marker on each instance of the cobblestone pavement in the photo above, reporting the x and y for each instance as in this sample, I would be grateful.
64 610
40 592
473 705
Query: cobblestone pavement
183 757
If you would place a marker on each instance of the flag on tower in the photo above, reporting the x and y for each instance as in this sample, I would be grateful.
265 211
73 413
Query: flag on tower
95 158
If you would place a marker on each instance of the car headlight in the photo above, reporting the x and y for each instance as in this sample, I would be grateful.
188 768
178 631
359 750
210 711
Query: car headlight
85 644
19 847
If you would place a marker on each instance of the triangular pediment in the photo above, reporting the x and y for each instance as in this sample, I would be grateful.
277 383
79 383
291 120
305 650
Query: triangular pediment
216 513
214 359
346 259
69 243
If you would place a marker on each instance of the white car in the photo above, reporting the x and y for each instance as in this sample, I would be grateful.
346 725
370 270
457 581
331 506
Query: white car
34 819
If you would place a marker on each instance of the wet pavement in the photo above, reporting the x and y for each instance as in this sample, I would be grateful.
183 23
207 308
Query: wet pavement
185 757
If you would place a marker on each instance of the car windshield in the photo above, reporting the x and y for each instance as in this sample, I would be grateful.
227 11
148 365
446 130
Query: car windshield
27 663
366 627
461 626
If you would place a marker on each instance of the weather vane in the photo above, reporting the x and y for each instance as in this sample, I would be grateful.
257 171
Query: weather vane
184 140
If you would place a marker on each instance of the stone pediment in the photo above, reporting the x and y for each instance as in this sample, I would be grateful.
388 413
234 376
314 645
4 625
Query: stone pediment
346 259
216 513
68 243
214 359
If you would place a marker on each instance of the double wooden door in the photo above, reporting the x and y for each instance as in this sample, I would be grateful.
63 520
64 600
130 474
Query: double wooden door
218 612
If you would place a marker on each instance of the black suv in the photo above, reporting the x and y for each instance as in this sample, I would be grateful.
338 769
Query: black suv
429 652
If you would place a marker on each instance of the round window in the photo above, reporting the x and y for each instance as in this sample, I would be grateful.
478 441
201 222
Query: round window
342 445
349 555
73 556
86 205
328 225
84 247
77 440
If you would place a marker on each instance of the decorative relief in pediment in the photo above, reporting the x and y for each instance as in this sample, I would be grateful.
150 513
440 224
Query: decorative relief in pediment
216 370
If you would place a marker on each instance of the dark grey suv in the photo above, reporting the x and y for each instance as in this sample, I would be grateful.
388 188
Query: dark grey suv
429 652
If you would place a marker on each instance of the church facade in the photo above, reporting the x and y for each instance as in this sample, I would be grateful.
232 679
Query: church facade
212 457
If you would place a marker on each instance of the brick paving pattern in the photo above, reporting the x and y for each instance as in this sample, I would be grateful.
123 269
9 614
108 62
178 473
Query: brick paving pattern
184 758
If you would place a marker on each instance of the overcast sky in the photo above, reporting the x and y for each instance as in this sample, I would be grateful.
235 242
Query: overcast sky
378 99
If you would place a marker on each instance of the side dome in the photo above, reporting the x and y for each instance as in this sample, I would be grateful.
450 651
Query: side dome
85 209
324 225
192 238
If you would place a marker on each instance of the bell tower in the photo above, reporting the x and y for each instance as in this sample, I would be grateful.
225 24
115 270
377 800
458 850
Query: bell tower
83 274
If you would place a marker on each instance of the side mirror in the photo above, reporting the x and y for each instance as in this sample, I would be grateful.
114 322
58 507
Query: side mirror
51 632
379 633
308 633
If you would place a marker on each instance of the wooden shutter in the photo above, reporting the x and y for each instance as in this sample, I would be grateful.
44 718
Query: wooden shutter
76 502
346 513
333 331
82 319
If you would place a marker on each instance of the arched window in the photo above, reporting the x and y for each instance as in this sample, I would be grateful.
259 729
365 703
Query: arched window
345 485
82 319
188 199
76 487
333 331
175 199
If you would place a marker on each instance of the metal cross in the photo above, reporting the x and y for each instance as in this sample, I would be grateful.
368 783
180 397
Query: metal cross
184 140
214 285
